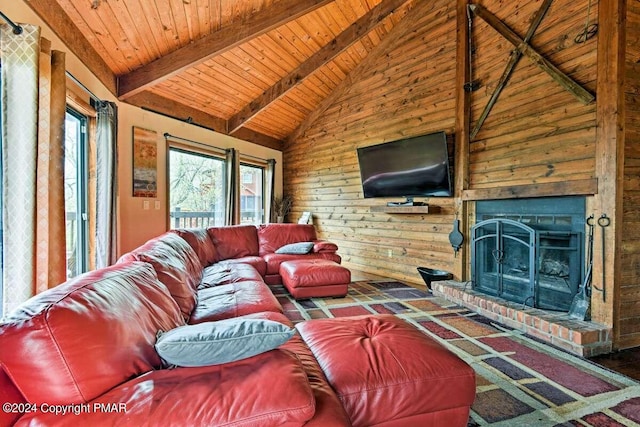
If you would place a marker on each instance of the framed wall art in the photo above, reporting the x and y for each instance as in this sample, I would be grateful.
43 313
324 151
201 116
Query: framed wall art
145 163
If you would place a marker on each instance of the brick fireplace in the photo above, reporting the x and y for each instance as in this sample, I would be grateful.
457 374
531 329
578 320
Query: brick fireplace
527 264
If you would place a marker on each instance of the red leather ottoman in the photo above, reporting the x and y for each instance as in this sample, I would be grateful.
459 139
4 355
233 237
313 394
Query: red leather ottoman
388 373
315 278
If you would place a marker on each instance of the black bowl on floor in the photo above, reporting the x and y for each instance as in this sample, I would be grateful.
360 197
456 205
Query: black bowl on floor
430 275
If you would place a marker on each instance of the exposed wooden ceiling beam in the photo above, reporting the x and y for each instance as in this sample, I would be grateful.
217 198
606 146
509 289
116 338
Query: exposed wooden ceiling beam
214 44
259 139
327 53
167 107
57 19
407 24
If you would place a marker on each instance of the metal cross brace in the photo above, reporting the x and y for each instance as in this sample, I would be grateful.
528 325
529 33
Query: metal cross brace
523 48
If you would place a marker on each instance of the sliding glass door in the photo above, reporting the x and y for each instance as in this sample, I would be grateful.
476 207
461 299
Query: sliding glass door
75 192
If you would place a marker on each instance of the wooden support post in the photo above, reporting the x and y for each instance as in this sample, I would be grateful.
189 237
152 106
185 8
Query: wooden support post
463 107
610 142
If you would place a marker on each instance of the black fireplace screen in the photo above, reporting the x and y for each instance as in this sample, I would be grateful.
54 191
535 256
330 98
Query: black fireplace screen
535 266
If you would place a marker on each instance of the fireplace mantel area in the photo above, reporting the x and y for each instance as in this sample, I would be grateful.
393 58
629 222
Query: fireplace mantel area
530 260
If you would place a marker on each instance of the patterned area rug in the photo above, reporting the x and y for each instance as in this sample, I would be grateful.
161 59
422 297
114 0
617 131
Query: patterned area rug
520 381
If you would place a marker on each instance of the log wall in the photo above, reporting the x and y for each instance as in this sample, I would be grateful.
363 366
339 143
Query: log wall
538 140
629 302
537 132
405 90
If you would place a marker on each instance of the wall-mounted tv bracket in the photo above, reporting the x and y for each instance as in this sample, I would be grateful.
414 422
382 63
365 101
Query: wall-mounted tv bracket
523 48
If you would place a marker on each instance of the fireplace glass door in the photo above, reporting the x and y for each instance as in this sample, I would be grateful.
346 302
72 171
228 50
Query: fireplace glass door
537 267
503 252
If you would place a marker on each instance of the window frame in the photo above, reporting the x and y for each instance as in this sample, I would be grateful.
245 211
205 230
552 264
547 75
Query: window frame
82 191
262 166
192 149
196 148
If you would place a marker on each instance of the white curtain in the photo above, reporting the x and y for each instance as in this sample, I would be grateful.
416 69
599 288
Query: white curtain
232 186
106 184
33 109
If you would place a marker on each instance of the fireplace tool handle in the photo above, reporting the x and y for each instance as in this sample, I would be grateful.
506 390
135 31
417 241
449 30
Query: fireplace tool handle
591 222
603 222
580 304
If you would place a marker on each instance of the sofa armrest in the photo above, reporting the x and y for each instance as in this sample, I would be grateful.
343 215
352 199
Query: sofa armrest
9 393
323 246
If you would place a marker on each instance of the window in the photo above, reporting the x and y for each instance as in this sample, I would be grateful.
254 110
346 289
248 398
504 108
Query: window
251 194
75 192
196 189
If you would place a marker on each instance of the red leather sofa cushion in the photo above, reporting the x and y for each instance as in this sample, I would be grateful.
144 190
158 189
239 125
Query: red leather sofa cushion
234 241
308 278
233 300
200 242
322 246
239 394
74 342
176 265
273 236
402 365
329 410
314 272
254 261
221 274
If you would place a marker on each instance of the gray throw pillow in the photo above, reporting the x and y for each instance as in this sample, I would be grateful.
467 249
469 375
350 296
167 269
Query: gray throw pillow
299 248
223 341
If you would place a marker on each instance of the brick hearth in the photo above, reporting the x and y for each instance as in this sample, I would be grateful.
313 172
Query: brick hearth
584 338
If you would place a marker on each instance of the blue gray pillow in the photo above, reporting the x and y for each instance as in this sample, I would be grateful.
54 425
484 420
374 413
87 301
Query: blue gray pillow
299 248
223 341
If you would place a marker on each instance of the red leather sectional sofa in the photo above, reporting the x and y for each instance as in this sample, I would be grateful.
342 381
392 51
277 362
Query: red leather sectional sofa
83 352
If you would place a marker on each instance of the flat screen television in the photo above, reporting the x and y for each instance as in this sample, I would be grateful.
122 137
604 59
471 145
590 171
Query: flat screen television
410 167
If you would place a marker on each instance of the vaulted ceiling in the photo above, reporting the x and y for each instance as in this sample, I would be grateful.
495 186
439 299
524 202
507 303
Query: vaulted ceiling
255 69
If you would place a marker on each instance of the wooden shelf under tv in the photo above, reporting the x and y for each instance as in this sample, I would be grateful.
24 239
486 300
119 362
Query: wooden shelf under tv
425 209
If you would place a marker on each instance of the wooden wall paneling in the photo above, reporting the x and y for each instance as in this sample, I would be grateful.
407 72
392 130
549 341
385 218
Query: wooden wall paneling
536 130
361 70
629 299
406 88
585 187
609 162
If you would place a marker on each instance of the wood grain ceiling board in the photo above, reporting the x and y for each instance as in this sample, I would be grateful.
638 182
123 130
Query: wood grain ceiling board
129 34
285 114
134 37
238 76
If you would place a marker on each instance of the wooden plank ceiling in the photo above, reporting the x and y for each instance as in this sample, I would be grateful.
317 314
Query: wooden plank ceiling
254 69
